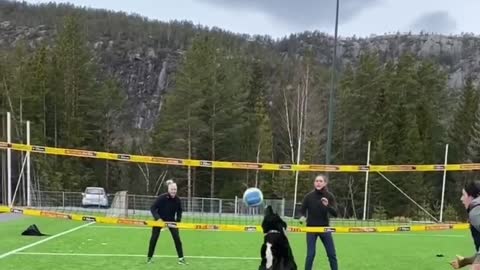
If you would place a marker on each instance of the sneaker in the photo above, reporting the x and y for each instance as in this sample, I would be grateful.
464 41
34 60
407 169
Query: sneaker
182 261
149 260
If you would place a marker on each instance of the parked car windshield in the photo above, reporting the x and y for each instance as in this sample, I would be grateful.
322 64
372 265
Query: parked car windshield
94 191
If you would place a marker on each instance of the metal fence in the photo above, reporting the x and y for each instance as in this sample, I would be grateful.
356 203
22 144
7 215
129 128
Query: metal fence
140 204
197 209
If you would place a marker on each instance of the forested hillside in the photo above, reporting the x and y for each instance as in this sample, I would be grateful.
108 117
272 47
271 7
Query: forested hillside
94 79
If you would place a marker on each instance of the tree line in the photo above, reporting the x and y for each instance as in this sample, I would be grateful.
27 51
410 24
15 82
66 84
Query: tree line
233 102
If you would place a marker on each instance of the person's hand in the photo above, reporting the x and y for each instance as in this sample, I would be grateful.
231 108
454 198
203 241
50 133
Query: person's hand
162 228
458 262
325 201
302 219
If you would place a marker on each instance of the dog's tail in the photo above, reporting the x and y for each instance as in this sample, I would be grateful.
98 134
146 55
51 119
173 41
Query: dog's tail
269 256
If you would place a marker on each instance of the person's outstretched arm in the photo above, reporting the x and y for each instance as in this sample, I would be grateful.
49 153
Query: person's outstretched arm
459 262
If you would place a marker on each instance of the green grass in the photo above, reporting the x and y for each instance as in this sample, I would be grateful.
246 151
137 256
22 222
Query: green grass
88 248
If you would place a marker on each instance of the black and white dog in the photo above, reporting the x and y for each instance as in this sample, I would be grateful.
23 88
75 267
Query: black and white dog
276 253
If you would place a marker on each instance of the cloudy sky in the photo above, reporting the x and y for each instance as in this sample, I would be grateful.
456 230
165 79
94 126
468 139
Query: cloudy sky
278 18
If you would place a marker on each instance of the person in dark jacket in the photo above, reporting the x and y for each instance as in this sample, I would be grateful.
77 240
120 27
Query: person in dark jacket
316 208
471 200
167 207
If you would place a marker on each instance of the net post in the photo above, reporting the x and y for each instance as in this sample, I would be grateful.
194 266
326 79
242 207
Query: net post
29 198
127 205
366 183
19 180
220 207
9 160
134 203
236 205
189 188
443 182
295 191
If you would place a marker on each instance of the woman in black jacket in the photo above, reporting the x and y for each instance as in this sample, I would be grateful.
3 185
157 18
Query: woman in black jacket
167 207
316 207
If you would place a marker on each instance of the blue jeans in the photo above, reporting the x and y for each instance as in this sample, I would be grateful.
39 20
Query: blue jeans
327 241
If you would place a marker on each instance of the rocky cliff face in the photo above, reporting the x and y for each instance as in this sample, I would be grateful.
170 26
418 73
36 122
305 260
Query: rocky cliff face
459 56
145 73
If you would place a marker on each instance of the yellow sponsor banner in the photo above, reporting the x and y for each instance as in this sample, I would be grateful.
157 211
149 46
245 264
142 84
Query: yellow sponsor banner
237 165
226 227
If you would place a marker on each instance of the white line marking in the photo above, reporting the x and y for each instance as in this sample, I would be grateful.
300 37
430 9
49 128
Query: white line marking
43 240
134 255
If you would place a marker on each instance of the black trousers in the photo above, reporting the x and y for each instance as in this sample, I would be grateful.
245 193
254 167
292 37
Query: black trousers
154 239
327 241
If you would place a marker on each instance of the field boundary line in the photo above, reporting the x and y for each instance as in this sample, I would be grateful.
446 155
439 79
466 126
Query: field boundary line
133 255
44 240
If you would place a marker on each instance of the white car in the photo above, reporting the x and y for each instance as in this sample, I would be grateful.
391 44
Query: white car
94 196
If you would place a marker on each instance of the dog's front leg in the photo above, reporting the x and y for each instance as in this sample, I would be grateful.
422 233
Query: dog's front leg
269 256
262 255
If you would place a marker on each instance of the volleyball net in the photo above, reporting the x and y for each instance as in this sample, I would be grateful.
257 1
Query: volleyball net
389 201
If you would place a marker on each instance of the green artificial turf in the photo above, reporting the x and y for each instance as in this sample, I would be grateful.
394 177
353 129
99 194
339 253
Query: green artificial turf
108 247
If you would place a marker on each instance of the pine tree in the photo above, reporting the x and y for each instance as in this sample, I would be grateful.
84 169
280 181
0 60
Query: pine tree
360 119
75 92
180 128
70 105
473 149
257 133
431 110
463 121
359 92
398 133
39 91
223 108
